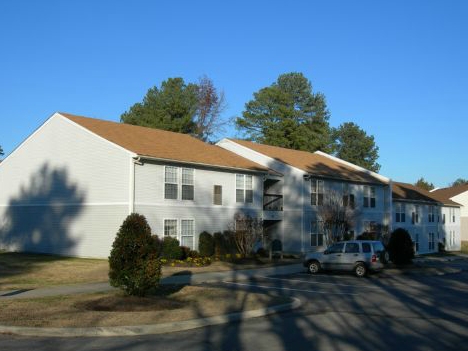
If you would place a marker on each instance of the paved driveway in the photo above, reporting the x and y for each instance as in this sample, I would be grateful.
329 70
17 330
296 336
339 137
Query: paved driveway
339 312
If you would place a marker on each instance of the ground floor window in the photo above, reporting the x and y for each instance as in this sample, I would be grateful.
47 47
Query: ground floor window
316 234
170 228
416 242
187 233
431 241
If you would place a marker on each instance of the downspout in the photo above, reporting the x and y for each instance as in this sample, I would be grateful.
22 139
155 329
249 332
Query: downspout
131 192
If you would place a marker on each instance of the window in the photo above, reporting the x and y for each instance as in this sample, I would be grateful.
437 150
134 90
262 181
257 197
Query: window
431 216
431 241
170 182
443 218
452 215
244 188
316 234
352 248
369 196
337 248
415 215
400 215
217 195
348 199
416 242
316 192
170 227
366 247
370 226
187 184
187 232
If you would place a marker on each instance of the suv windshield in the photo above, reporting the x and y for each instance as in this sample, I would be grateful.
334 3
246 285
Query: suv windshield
352 248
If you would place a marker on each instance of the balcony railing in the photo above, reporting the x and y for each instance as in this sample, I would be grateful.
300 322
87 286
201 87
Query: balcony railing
272 202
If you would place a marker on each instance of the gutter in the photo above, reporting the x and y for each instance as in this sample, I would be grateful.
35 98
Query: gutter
206 165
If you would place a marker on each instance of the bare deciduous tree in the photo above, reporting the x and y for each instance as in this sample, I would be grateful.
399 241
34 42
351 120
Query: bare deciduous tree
246 231
211 103
336 217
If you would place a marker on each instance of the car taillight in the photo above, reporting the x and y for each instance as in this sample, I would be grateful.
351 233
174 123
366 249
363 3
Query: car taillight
374 258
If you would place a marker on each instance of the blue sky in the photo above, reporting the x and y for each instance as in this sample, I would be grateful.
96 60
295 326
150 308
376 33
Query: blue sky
396 68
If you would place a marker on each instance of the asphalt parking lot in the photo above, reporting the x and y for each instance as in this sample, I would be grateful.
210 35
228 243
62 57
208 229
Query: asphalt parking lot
338 312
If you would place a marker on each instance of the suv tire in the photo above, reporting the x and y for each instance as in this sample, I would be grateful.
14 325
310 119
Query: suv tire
360 270
313 267
384 257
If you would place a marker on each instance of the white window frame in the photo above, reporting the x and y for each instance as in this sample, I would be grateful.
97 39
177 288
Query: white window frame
416 242
176 183
182 183
318 225
400 212
244 188
176 231
179 183
431 241
317 191
369 194
182 236
431 215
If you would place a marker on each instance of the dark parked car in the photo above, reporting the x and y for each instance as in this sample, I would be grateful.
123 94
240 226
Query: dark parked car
358 256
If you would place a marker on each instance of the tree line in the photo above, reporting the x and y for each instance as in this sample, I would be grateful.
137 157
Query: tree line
287 113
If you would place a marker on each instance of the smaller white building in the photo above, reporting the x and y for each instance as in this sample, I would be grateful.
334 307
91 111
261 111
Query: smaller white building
458 194
431 220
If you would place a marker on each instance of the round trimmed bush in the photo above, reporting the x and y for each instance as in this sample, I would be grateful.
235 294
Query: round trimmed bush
206 244
171 248
134 265
400 247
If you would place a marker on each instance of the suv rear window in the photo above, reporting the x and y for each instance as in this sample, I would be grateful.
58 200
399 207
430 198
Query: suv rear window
378 247
366 247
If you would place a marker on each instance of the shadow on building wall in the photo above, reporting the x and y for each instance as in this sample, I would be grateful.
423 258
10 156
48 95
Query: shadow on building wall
38 218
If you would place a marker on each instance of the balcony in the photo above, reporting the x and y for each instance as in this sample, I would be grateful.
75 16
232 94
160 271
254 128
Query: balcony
272 207
272 202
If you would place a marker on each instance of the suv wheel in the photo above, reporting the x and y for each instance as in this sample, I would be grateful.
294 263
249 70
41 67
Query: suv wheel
313 267
360 270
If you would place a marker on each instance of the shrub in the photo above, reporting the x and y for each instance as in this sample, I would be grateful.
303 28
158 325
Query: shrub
400 247
262 252
206 244
171 248
133 263
223 243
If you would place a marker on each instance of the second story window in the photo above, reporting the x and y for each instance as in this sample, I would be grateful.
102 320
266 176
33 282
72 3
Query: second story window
415 215
348 198
316 192
431 216
452 215
369 196
187 184
170 182
400 215
244 188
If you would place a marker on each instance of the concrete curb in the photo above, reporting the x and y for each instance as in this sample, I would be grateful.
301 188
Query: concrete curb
149 329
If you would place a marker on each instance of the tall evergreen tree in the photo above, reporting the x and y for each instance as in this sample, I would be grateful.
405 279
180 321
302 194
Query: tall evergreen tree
288 114
460 181
1 151
424 184
170 107
355 146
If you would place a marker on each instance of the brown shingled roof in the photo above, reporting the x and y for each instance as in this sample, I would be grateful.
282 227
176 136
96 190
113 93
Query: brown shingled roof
409 192
163 144
312 163
450 192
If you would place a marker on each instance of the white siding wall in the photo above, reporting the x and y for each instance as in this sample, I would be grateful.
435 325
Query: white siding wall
297 211
423 228
149 199
63 191
462 199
